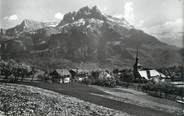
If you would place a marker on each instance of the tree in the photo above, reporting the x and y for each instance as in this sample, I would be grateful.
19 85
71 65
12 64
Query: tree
73 74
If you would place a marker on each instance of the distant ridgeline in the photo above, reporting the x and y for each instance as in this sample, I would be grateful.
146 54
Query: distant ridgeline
86 36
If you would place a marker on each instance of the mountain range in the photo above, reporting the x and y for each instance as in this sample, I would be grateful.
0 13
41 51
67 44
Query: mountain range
86 38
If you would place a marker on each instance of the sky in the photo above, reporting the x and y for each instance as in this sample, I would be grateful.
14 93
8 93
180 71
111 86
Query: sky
147 15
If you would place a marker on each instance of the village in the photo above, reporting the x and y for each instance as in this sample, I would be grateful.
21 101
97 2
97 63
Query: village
162 83
11 71
149 81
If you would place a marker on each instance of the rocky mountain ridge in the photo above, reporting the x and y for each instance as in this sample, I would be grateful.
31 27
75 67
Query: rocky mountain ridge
88 36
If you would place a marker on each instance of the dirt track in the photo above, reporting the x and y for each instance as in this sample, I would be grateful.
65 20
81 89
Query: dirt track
139 98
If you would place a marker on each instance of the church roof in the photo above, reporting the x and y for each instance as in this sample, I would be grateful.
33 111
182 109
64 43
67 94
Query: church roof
143 74
152 73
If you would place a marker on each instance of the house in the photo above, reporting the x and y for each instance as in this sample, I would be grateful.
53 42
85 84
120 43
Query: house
79 74
82 74
146 74
61 76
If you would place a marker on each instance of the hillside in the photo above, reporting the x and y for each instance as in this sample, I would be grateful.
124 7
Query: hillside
29 100
88 37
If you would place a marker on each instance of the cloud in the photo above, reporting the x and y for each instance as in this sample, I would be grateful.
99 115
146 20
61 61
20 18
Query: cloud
170 32
11 18
129 12
140 24
129 15
59 15
171 26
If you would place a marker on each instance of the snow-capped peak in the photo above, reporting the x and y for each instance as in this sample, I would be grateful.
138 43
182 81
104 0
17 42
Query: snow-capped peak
91 14
121 22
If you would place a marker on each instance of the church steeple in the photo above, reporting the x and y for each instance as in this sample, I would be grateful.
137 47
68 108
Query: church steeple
136 59
1 33
136 65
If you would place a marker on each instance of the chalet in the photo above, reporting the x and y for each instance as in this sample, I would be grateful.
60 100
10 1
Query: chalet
82 74
61 75
146 74
79 74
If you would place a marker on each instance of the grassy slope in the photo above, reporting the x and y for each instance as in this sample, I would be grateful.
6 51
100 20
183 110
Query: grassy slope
26 100
84 92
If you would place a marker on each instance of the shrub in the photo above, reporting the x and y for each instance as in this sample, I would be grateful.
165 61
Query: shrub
95 74
12 79
107 82
162 88
87 81
96 79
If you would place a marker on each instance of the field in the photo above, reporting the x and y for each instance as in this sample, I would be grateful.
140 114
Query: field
21 100
132 96
96 96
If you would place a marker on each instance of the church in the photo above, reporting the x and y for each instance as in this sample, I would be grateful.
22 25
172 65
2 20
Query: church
145 74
